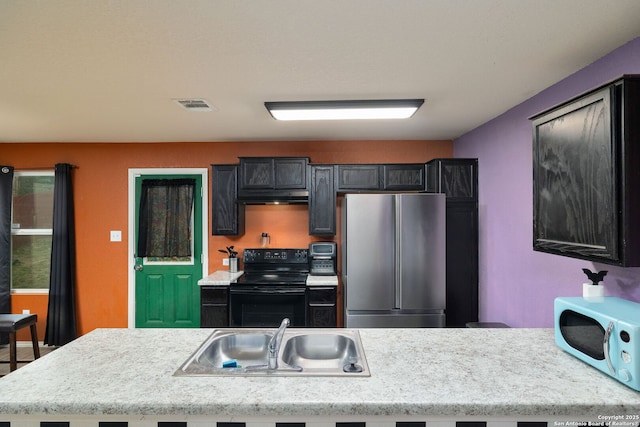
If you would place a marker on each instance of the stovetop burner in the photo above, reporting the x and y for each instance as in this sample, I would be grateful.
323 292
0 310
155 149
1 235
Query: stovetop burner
271 267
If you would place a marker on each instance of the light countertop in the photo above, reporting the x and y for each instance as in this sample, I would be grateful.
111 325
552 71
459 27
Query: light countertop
313 280
224 278
220 278
435 372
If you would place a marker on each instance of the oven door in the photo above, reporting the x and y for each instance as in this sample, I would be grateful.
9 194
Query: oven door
266 306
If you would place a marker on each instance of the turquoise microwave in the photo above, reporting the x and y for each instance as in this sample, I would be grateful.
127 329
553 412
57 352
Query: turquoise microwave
603 332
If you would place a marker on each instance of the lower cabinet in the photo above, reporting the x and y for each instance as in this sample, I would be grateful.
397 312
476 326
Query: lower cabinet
214 306
321 307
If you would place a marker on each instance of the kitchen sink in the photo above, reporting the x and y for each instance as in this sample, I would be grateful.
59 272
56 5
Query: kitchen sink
320 351
247 349
303 352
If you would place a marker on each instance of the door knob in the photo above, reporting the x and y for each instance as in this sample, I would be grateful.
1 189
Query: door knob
138 268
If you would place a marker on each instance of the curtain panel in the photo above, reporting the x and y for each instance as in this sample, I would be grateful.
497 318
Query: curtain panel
164 219
6 185
61 317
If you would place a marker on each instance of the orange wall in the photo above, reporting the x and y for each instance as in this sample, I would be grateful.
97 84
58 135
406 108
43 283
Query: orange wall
100 192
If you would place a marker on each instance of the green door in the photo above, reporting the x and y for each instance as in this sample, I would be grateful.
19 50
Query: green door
166 288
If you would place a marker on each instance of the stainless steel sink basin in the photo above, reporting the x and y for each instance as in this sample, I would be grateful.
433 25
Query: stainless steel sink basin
320 351
247 349
303 352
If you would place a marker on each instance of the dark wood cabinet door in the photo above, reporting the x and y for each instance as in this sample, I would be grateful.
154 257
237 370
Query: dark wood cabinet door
457 178
214 308
321 307
290 173
214 316
586 202
462 263
403 177
257 173
273 173
322 201
358 177
576 202
227 216
322 316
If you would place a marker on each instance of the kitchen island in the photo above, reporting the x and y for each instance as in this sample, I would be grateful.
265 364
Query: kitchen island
417 375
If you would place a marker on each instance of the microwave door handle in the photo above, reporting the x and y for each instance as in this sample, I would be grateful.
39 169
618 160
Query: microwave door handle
605 348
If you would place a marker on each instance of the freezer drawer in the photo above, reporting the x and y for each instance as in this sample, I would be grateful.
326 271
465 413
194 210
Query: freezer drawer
394 320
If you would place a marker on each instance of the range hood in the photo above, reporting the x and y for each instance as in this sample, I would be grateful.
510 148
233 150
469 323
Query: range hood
273 197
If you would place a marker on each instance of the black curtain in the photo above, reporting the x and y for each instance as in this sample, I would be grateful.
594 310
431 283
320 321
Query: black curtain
61 317
164 217
6 184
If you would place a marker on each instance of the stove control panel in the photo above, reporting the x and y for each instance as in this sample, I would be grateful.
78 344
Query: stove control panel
276 256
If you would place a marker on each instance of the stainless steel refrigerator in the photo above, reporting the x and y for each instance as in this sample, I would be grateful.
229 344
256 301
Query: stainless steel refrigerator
393 260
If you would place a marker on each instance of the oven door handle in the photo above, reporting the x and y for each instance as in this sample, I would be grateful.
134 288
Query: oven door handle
269 291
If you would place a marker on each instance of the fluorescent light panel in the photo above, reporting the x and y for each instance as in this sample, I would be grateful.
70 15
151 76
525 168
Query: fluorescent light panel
344 110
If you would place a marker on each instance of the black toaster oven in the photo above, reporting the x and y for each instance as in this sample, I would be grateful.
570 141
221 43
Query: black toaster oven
323 258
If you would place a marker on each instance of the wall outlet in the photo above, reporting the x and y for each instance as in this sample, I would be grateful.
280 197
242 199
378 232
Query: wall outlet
116 236
26 311
225 261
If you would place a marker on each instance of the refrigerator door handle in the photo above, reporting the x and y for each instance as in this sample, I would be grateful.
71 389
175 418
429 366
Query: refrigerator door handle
398 252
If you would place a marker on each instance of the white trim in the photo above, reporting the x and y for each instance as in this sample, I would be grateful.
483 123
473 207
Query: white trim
32 231
131 278
30 291
34 173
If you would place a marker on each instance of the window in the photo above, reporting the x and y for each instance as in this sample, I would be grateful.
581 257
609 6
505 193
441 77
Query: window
166 222
31 231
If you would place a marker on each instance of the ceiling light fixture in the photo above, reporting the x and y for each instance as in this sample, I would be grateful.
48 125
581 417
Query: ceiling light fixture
344 110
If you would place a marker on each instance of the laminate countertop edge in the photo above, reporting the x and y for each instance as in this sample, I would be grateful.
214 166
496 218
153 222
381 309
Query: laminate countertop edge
439 372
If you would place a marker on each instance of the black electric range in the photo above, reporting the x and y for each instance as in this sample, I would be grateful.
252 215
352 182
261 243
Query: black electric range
272 287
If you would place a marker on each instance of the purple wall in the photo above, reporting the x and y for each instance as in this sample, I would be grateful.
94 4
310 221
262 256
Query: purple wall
518 285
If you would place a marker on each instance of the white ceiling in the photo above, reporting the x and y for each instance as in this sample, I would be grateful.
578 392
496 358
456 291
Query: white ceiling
108 70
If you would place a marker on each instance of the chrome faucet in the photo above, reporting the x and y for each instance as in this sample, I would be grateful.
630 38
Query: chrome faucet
274 344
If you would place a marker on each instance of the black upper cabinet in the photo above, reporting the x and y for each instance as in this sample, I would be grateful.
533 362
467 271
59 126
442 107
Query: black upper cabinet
227 216
403 177
322 201
457 178
273 179
358 177
586 176
258 180
381 177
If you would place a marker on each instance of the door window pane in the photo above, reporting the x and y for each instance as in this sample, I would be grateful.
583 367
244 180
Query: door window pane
165 231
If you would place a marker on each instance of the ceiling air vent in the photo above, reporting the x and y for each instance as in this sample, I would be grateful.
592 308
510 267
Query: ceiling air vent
195 104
